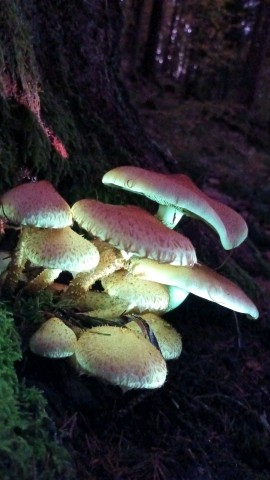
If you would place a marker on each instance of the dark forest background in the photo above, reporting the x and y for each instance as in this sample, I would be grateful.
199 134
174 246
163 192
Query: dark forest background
173 86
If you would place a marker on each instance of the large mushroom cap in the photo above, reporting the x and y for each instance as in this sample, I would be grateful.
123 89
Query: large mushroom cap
178 192
36 204
134 230
54 339
199 280
60 249
121 357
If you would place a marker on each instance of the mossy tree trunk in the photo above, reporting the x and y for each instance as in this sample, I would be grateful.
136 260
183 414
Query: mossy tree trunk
61 60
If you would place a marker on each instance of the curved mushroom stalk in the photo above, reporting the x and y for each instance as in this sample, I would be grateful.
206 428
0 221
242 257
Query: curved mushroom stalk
110 260
199 280
43 280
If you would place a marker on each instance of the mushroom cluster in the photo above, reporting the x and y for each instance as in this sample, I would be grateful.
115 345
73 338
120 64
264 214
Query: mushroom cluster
128 267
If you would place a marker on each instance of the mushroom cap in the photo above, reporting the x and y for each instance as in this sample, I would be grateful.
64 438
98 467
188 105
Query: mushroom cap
134 230
121 357
53 339
169 340
36 204
199 280
179 192
60 248
141 295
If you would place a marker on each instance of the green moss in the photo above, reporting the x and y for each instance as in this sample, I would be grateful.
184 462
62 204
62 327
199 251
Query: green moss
28 446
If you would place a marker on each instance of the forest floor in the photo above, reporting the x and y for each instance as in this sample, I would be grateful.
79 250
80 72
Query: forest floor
211 420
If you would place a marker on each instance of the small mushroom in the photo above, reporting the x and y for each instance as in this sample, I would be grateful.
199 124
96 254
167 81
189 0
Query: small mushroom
120 357
56 250
101 305
199 280
143 295
54 339
169 340
133 230
110 260
35 204
177 195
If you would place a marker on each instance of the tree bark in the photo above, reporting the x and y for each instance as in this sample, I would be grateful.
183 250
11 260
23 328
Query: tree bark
74 77
148 66
256 54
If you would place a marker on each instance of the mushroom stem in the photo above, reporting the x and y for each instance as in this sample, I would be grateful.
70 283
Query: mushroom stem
15 267
110 260
43 280
169 216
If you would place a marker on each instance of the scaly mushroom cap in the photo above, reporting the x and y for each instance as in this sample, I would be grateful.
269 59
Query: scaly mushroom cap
178 192
169 340
53 339
141 295
60 249
133 230
120 357
199 280
36 204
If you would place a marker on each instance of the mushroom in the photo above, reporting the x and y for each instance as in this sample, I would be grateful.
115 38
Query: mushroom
142 295
199 280
133 230
54 339
101 305
34 204
110 260
177 195
120 357
56 250
169 340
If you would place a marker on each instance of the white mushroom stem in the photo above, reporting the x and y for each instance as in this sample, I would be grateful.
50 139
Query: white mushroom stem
169 215
199 280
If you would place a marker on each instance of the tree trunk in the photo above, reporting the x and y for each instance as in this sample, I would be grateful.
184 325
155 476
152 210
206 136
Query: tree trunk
148 66
256 53
61 61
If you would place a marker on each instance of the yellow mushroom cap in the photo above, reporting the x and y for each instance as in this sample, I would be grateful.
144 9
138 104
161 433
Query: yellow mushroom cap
178 193
134 230
60 249
169 340
36 204
121 357
53 339
141 295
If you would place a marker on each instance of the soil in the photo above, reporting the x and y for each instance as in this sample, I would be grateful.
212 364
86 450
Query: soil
211 419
